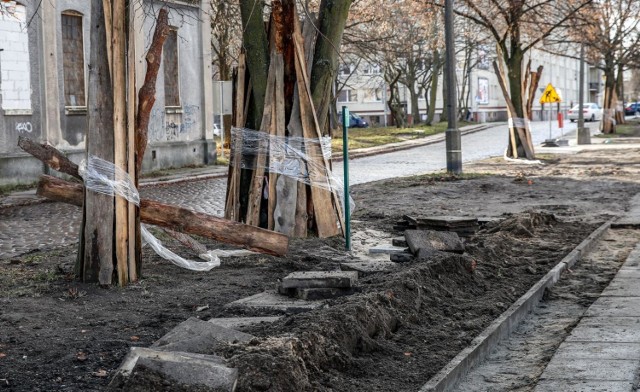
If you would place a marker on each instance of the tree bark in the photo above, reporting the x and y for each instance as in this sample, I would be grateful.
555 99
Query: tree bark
180 219
331 22
433 92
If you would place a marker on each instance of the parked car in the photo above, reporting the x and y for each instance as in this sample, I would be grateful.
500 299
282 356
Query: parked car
355 121
591 111
632 109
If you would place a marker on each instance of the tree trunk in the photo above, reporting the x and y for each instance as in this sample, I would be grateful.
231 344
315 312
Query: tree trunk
433 92
331 23
95 255
608 108
445 88
415 110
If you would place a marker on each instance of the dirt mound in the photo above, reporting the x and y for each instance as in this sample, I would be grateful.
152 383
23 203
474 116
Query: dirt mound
522 225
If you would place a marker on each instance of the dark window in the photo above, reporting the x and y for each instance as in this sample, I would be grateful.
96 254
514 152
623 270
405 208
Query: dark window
73 59
171 77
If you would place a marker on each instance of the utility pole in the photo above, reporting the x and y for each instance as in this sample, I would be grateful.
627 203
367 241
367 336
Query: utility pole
584 135
454 144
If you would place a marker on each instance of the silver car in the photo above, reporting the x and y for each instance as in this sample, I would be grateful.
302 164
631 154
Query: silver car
592 112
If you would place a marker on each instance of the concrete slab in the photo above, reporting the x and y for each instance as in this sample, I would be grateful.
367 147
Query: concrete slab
433 240
269 300
598 350
583 386
198 336
591 369
615 307
399 241
631 218
622 287
403 257
628 273
369 267
320 279
633 260
180 367
386 249
607 329
322 293
239 322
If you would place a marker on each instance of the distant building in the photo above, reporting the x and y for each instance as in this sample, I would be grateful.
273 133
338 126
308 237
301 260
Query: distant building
44 82
365 91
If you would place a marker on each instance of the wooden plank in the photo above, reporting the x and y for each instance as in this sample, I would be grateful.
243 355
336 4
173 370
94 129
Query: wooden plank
278 130
180 219
324 212
257 179
232 205
133 216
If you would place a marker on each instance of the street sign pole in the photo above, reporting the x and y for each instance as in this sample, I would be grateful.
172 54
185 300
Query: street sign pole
345 160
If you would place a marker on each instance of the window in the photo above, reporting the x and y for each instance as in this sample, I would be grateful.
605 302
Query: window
73 59
15 80
371 69
346 69
348 96
373 95
171 76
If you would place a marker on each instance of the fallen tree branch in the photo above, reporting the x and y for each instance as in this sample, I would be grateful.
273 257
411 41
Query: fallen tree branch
50 156
180 219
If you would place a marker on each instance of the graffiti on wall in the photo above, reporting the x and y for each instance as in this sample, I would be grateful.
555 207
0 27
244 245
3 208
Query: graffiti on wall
24 127
174 126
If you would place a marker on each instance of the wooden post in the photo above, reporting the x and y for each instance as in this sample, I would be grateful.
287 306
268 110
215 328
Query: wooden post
133 213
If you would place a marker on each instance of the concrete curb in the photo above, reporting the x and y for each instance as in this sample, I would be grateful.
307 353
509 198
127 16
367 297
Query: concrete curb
502 327
409 144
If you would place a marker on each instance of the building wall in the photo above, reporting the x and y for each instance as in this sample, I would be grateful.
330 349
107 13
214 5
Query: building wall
178 136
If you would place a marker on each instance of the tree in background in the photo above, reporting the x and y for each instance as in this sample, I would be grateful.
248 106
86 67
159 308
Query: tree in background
226 30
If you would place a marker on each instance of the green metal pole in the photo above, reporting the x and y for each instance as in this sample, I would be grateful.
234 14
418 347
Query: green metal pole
345 158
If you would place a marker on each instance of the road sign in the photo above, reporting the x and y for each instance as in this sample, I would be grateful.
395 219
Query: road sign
550 95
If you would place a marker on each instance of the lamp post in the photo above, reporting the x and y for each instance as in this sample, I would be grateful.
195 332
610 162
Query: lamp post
584 135
452 135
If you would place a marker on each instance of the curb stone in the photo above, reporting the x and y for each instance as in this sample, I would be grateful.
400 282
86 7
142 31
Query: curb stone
502 327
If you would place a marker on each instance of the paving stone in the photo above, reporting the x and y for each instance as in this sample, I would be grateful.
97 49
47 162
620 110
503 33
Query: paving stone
622 287
403 257
369 267
320 279
591 369
270 300
313 294
615 307
628 273
188 369
387 249
598 350
583 386
239 322
433 240
606 329
198 336
399 241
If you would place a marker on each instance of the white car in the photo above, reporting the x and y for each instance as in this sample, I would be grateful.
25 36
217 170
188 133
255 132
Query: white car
592 112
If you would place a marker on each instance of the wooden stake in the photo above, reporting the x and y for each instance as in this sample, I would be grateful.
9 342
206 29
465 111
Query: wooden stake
133 214
232 205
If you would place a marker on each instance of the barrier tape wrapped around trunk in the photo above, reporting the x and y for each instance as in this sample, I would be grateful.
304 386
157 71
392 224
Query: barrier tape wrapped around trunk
289 156
104 177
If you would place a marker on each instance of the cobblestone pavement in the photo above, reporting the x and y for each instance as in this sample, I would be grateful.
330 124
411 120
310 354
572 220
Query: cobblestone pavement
50 225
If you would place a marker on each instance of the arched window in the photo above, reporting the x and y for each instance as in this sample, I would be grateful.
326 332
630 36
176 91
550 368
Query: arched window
73 59
15 76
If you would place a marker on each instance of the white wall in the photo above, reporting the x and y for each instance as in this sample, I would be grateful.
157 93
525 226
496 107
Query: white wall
15 84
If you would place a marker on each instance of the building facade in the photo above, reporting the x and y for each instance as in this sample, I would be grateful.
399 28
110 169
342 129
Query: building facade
44 53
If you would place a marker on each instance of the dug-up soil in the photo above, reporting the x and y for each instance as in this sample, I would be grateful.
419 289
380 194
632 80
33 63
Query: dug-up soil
396 332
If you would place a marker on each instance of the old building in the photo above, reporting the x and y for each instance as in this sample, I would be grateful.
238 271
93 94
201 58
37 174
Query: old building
44 52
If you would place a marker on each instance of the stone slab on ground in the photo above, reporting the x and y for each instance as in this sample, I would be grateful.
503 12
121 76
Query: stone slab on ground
606 329
583 386
320 279
631 218
399 241
633 260
622 287
598 350
403 257
369 267
187 369
591 369
386 249
615 307
312 294
195 335
239 322
271 301
433 240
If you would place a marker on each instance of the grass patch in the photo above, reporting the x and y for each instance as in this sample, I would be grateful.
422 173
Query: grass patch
6 189
630 129
372 137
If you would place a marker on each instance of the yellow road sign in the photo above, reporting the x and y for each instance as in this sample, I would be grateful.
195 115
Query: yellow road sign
550 95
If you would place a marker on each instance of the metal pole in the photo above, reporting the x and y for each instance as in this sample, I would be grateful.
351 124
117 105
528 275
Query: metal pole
345 160
584 136
452 135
